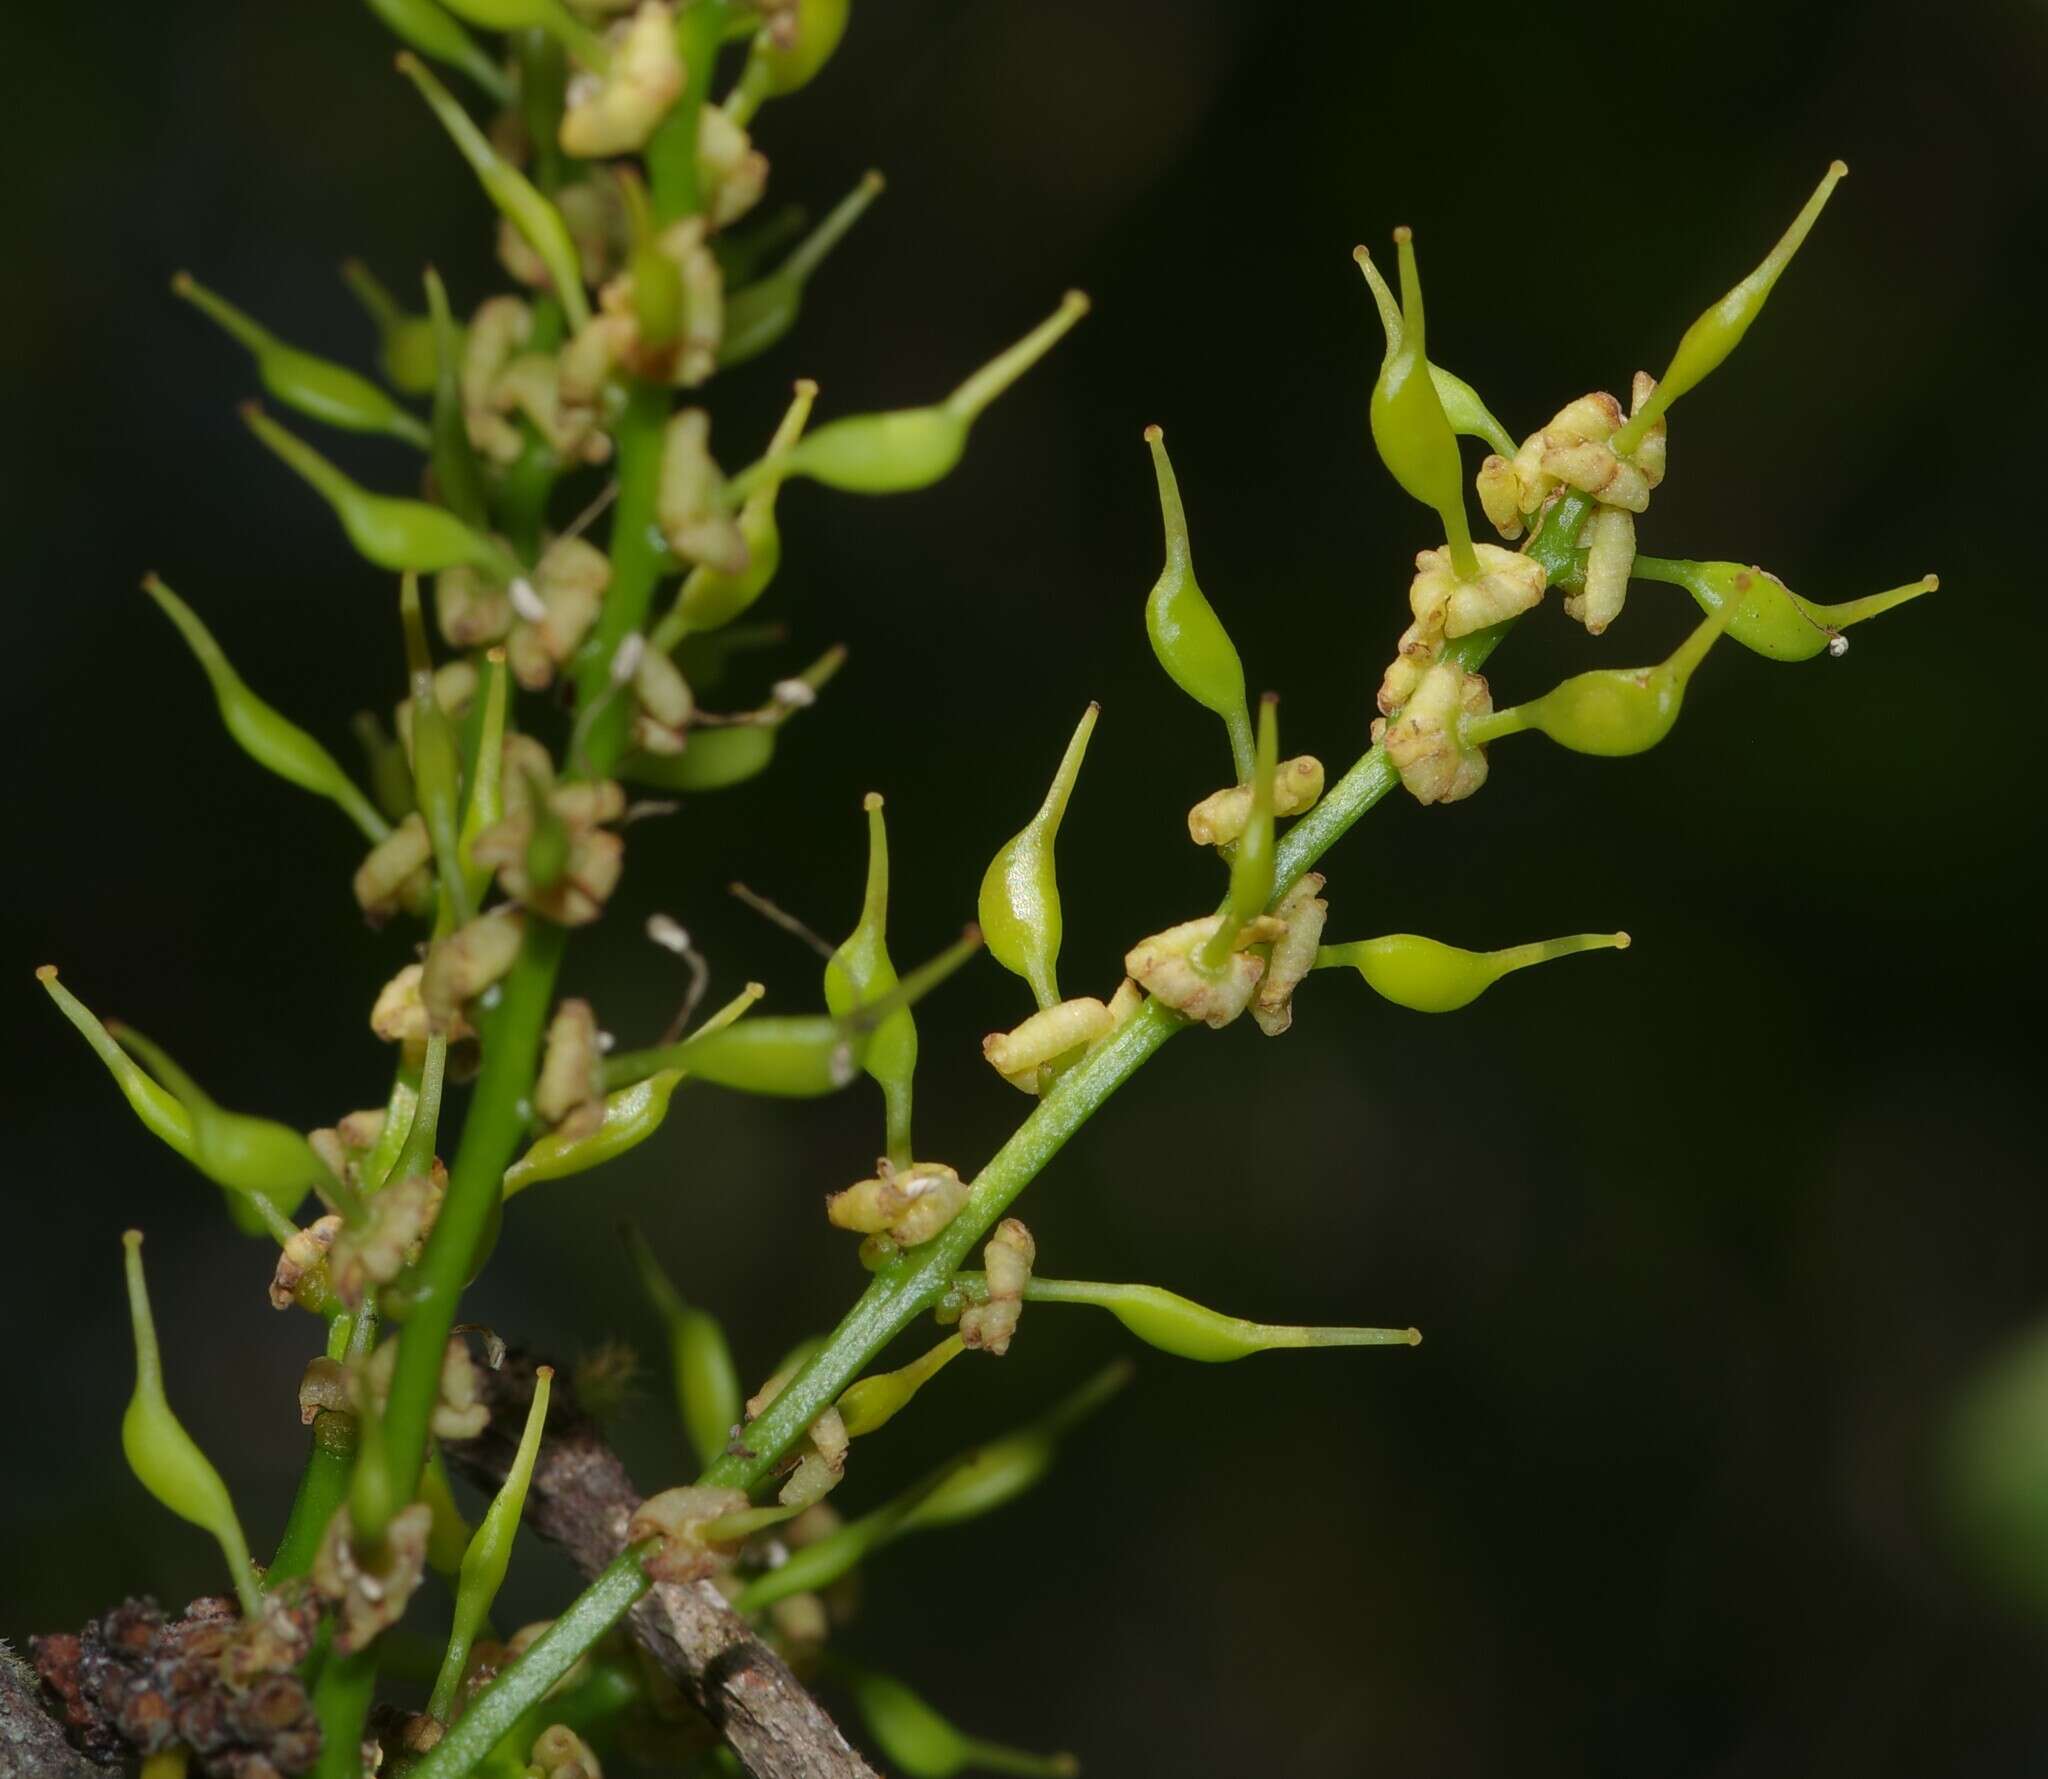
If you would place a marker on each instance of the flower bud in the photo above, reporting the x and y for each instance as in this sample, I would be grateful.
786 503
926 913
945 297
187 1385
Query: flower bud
270 739
1409 426
461 966
690 506
1427 976
1770 618
820 1465
510 190
615 112
569 1092
1019 904
396 870
1610 538
910 448
316 387
392 533
301 1259
732 174
1719 331
1293 955
1426 741
1446 604
678 1517
1006 1262
559 1753
472 610
1220 817
1029 1055
162 1454
1186 634
1165 965
912 1204
371 1594
761 313
711 597
389 1238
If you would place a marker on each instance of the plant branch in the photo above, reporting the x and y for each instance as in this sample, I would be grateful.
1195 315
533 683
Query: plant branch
582 1498
906 1289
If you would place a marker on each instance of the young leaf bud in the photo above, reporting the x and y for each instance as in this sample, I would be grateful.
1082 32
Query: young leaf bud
1294 954
1769 617
631 1116
1019 904
390 532
257 1156
489 1553
1427 976
1220 817
915 1739
859 972
1006 1262
1468 415
1028 1056
272 740
1719 331
427 28
162 1454
1409 426
875 1401
760 314
911 448
1173 1324
797 41
1619 711
316 387
536 219
157 1107
1186 634
707 1387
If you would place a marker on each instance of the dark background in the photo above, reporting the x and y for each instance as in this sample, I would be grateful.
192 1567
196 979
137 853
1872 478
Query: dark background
1703 1240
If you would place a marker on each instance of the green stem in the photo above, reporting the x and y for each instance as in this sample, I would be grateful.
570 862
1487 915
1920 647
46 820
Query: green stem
511 1034
341 1700
323 1487
912 1285
524 1682
637 564
672 150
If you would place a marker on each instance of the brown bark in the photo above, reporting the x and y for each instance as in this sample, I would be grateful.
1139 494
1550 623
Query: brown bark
32 1744
581 1497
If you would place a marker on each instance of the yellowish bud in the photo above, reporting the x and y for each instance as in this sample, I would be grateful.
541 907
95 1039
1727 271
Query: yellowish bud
1165 966
1007 1259
616 112
1020 1055
677 1517
1424 742
1610 539
461 966
1446 605
1293 955
1221 816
